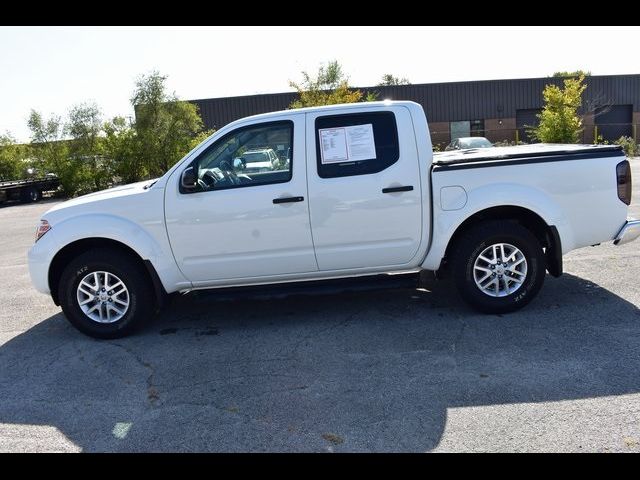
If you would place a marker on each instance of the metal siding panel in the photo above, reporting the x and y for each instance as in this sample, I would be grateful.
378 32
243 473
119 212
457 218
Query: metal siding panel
457 115
472 100
446 99
459 101
443 102
236 110
491 89
476 101
437 94
512 100
430 104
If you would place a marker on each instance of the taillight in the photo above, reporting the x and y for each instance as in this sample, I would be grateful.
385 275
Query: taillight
623 173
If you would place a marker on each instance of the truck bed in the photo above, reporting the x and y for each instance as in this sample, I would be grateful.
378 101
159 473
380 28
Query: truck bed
45 182
521 154
28 189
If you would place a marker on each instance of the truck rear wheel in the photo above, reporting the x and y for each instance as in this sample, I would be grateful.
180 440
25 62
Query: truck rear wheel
498 266
105 294
31 195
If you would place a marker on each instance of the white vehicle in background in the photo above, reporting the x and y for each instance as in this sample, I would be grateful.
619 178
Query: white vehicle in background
361 195
464 143
259 160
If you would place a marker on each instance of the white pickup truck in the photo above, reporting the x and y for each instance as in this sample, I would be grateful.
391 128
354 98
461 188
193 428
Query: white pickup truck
357 191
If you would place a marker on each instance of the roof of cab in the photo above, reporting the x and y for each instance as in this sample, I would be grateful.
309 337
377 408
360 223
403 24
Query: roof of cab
340 106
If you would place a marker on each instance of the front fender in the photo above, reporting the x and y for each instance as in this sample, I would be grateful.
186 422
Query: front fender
446 222
149 244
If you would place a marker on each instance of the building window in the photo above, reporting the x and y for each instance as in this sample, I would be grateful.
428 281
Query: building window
467 128
477 128
460 129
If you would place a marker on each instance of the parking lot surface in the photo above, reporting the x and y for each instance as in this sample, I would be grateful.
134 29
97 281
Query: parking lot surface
398 370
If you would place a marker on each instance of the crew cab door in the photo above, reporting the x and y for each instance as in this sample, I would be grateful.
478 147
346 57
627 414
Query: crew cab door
364 187
236 225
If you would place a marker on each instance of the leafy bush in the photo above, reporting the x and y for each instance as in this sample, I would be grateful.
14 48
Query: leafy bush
599 140
12 159
330 86
508 143
631 148
559 119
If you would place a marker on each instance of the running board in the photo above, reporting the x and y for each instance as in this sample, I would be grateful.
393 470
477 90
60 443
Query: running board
314 287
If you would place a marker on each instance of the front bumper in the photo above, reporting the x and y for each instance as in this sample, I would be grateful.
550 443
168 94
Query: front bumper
628 233
40 255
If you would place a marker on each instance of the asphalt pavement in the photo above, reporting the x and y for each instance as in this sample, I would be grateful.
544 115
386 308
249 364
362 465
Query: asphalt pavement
398 370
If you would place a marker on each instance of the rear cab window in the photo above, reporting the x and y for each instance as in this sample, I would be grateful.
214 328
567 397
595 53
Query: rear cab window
356 144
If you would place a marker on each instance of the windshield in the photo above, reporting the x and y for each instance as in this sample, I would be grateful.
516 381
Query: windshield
479 142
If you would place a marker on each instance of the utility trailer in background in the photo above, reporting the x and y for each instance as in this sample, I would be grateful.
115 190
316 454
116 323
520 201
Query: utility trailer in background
28 190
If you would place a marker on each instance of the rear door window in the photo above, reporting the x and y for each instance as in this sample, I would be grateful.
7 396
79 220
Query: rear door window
356 144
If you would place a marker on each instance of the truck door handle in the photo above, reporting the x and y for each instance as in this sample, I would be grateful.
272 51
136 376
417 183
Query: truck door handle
288 200
406 188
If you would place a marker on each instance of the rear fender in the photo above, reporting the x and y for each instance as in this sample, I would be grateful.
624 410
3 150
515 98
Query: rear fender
489 196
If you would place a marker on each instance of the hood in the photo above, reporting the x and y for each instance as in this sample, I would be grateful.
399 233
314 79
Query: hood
101 200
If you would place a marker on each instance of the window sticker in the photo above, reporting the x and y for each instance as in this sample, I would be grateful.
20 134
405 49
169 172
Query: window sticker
347 144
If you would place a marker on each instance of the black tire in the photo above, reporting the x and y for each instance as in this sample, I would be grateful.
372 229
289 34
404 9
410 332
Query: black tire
129 270
474 241
31 195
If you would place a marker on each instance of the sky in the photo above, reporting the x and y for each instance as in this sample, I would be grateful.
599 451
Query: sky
50 69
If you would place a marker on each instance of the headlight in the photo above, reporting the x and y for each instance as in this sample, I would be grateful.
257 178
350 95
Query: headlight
41 229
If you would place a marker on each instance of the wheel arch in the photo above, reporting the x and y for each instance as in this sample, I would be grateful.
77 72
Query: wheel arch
547 235
75 248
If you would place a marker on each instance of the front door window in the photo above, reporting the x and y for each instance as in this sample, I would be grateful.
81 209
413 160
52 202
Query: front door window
256 155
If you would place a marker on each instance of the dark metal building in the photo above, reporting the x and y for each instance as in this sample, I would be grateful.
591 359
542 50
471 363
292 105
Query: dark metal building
498 109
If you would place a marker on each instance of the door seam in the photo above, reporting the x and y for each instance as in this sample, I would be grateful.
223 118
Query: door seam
306 161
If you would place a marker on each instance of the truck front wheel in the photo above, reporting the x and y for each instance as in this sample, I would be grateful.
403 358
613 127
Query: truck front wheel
105 293
498 266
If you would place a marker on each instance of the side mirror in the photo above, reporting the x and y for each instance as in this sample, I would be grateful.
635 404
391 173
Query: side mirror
189 179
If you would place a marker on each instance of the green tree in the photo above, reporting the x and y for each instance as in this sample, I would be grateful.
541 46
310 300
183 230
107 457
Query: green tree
575 73
85 132
11 158
559 119
88 154
329 86
389 80
122 149
51 151
166 128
